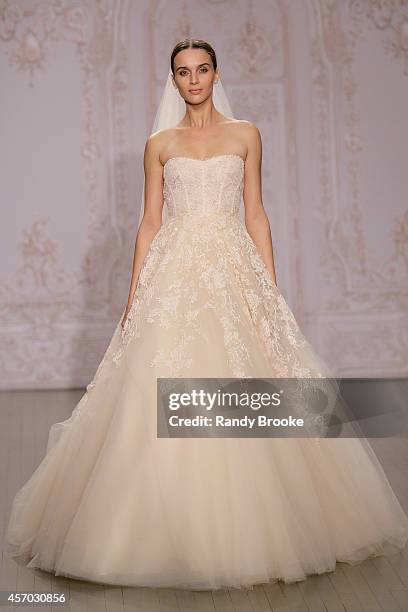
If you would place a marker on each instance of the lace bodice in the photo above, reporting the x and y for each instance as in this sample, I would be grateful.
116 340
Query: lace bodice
205 186
203 278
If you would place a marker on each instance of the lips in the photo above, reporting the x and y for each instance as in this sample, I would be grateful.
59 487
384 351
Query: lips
195 91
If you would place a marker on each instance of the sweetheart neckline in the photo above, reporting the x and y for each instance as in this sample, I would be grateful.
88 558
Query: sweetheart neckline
204 159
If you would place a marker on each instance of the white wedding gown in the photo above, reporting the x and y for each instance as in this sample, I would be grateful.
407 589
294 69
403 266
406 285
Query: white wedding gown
112 503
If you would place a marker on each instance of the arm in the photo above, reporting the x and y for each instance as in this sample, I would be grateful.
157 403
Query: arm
152 215
256 219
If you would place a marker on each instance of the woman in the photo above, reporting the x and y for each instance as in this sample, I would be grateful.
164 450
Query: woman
111 501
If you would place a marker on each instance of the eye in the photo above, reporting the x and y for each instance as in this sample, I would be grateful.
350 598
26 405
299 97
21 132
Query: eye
182 72
205 69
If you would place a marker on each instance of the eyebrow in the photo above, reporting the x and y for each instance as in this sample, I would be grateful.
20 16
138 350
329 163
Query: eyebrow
199 66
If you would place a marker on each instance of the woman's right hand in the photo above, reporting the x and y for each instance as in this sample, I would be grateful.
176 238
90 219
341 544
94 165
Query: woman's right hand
125 315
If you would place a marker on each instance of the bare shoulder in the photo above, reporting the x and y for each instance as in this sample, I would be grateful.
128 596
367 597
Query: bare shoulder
163 134
160 138
250 136
157 142
249 130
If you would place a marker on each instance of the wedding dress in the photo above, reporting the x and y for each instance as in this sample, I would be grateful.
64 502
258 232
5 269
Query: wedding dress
113 503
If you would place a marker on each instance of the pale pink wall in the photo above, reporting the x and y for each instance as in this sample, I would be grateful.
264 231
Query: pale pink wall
327 84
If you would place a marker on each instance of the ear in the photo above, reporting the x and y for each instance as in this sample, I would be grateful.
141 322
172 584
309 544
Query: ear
217 76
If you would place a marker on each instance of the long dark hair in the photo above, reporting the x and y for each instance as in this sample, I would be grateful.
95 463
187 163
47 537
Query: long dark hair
193 43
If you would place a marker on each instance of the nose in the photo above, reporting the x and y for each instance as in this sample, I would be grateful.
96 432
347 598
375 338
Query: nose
193 79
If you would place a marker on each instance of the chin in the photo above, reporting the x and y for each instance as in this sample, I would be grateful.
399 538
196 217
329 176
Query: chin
192 98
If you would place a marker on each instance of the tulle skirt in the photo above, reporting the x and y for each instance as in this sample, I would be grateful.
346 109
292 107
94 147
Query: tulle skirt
113 503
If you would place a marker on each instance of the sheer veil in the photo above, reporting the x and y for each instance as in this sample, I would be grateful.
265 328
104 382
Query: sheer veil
171 110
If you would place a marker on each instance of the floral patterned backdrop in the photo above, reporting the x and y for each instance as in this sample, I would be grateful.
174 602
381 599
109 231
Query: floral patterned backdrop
326 82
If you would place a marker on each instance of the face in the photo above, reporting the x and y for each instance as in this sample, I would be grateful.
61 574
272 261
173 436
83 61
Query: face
194 75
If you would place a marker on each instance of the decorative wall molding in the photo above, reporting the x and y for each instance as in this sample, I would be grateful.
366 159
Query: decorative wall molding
298 74
354 284
91 298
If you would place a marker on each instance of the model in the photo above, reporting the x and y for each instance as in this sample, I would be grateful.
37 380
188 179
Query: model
113 503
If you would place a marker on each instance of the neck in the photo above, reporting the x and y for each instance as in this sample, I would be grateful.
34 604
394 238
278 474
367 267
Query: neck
201 115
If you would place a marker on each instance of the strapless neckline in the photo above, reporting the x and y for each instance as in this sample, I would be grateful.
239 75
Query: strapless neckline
204 159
